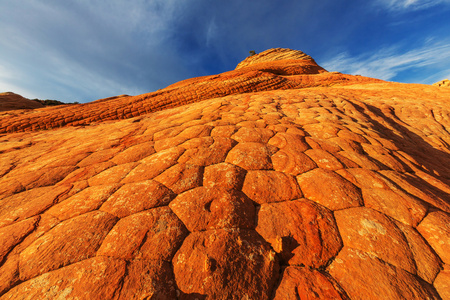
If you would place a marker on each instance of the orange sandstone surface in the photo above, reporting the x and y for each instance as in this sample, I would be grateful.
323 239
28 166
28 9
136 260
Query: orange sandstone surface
443 83
11 101
278 180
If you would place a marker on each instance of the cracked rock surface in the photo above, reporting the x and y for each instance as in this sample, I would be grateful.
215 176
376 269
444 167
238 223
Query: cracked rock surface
278 180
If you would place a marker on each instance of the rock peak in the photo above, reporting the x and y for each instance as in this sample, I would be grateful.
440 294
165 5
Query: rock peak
264 182
445 83
273 55
282 61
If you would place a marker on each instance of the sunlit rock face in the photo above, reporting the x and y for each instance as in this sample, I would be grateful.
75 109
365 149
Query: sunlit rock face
11 101
443 83
277 180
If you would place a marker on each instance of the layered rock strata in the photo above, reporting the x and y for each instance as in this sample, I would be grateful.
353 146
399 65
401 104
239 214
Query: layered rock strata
11 101
327 189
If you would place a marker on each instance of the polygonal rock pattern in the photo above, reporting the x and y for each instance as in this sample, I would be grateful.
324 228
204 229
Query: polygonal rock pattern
304 283
138 235
212 208
442 283
435 228
242 185
300 231
351 268
329 189
368 230
270 186
226 264
68 242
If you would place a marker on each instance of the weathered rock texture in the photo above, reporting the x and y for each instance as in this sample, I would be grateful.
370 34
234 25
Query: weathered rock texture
11 101
445 83
284 182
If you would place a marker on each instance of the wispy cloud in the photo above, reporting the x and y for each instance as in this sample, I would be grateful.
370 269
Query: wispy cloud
399 5
389 62
89 49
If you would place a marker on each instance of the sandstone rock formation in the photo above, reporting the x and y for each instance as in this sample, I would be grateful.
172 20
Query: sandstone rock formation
11 101
277 180
444 83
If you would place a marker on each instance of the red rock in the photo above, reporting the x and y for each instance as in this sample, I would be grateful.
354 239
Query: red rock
352 267
212 208
69 242
442 283
372 232
228 264
368 179
212 138
427 262
112 175
435 228
224 175
24 205
416 187
361 160
385 158
101 278
443 83
348 135
153 165
44 177
85 173
300 231
137 236
186 134
148 279
134 153
181 177
201 142
403 208
329 189
13 234
9 274
256 135
251 156
204 156
289 142
321 144
135 197
324 160
98 157
270 186
11 101
85 201
224 131
292 163
303 283
322 131
347 145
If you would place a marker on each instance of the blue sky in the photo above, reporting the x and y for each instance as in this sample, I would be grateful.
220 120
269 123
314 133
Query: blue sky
89 49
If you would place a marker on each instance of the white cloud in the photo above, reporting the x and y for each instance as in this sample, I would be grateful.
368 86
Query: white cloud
88 49
389 62
399 5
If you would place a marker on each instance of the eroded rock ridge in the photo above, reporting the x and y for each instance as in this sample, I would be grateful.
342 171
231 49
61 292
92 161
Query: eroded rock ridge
252 184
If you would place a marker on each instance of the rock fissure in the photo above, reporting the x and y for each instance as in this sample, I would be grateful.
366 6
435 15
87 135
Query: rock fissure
276 180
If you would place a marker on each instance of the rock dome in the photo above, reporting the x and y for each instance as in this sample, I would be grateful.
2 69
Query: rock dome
277 180
11 101
445 83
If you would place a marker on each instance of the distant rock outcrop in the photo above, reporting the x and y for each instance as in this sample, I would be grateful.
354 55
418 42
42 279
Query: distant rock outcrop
444 82
272 181
258 73
11 101
281 62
